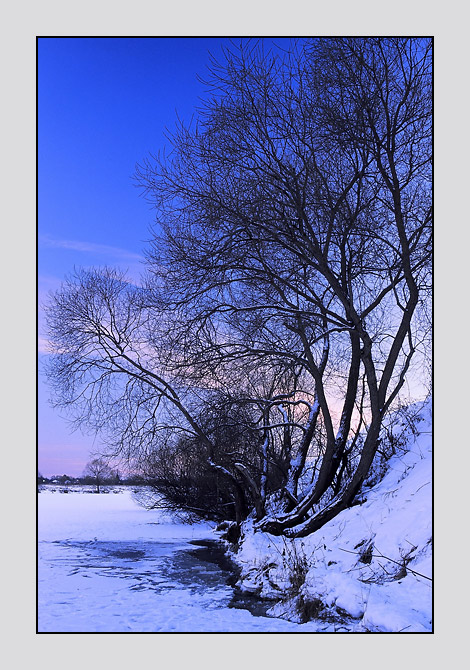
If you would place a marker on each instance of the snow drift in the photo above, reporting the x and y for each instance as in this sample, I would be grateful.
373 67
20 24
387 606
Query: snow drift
370 568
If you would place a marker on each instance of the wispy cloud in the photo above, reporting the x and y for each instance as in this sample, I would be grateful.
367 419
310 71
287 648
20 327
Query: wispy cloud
104 255
90 247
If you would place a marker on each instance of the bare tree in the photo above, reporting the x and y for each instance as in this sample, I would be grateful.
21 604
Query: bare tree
99 470
289 270
302 199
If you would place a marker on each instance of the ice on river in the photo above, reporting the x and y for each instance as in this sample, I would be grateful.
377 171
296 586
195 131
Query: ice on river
107 565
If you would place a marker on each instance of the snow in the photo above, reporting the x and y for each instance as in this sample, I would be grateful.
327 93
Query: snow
106 564
392 592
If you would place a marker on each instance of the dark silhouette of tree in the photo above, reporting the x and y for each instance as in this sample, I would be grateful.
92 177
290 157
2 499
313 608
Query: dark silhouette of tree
289 274
98 470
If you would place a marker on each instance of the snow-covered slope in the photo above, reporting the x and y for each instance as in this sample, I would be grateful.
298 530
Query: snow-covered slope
370 568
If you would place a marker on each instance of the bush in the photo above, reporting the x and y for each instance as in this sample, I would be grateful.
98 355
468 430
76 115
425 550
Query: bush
182 477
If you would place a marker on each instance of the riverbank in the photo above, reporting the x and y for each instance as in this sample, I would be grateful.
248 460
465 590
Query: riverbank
370 568
107 564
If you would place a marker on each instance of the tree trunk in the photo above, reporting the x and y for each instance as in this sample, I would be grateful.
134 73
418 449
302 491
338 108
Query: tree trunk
334 453
318 520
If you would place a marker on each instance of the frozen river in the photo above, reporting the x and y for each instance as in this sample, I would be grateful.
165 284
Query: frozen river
106 564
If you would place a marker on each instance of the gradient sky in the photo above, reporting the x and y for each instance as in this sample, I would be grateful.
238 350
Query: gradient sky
103 106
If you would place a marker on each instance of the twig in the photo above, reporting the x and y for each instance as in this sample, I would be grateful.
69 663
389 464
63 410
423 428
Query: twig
414 572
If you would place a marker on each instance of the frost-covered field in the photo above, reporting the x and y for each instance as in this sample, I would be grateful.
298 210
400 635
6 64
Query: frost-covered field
369 568
107 565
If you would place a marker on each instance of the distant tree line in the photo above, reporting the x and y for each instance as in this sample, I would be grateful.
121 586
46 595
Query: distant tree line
286 301
97 473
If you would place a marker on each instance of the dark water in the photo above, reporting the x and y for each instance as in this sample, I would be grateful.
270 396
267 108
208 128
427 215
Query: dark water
158 567
211 551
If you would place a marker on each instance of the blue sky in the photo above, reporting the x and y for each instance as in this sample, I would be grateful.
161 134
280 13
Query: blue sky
103 106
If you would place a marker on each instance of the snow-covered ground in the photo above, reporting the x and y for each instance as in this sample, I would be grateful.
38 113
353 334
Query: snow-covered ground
107 565
370 568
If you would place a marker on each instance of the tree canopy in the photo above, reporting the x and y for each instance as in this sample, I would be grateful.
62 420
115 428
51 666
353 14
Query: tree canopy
287 292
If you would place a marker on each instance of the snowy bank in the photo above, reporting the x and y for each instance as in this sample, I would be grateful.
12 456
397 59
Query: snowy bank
369 568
